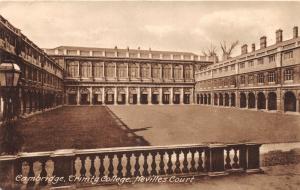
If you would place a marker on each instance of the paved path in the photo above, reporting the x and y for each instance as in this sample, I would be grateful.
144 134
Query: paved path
164 125
275 177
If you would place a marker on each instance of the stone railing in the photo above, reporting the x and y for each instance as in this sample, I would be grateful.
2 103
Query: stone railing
77 167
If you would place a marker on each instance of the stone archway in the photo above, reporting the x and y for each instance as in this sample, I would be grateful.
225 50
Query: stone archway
272 103
232 100
226 99
215 99
220 99
290 101
251 100
261 101
243 100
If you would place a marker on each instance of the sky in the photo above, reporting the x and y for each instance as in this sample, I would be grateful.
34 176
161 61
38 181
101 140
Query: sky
171 26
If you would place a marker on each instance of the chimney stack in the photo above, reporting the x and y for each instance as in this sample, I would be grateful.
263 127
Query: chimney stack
263 42
244 49
253 47
295 32
278 36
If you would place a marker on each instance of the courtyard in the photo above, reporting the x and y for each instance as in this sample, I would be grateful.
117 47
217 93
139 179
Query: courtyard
87 127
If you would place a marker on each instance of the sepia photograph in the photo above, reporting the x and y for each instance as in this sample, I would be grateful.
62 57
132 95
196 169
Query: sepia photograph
121 95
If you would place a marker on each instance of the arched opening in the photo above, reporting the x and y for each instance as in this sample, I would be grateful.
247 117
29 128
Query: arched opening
272 104
209 99
201 99
232 99
261 101
226 99
243 101
251 100
198 99
220 99
215 99
289 101
205 99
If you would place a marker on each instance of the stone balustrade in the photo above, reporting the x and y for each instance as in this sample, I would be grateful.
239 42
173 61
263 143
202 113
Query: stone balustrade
74 167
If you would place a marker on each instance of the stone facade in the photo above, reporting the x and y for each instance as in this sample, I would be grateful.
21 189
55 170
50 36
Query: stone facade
98 76
264 79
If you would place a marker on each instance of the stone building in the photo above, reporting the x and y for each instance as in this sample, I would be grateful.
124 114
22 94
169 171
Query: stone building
267 78
95 76
41 80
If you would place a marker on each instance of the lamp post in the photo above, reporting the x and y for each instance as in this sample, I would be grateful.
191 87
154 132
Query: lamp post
9 77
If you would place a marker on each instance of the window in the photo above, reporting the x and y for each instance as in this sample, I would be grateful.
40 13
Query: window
271 77
242 79
288 55
288 74
226 68
271 58
220 70
250 64
242 65
260 78
260 61
232 67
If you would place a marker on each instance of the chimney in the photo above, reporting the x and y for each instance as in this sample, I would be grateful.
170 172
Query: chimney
263 42
253 47
295 32
244 49
278 36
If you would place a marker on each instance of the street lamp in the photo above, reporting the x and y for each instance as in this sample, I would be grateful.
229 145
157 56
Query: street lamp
9 77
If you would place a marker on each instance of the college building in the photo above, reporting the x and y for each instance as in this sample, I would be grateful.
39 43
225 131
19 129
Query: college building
267 78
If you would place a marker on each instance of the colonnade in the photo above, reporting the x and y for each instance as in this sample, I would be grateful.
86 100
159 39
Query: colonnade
128 95
283 100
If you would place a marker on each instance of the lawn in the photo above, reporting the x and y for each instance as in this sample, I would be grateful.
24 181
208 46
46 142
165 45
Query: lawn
164 125
72 127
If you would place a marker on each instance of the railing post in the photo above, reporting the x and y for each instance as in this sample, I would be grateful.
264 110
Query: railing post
8 171
64 161
216 160
253 165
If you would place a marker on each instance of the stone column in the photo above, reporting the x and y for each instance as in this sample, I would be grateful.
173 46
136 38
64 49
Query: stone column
247 106
103 95
212 99
223 100
139 70
116 75
138 95
91 95
256 102
116 96
267 102
181 95
172 96
182 72
160 96
229 99
161 72
172 72
78 96
192 101
237 99
127 71
150 96
127 96
297 105
78 72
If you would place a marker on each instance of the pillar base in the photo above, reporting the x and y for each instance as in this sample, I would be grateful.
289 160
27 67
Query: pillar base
215 174
253 171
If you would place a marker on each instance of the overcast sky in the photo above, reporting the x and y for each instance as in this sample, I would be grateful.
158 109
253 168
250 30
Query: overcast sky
176 26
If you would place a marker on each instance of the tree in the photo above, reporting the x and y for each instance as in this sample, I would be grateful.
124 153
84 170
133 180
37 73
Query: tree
227 51
211 52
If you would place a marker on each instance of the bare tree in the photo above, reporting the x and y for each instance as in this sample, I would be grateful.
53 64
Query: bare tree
211 52
227 51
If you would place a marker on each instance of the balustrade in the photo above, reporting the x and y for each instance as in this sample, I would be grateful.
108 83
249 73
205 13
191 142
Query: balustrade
130 162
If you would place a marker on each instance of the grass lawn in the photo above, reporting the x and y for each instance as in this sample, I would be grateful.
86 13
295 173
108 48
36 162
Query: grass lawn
72 127
164 125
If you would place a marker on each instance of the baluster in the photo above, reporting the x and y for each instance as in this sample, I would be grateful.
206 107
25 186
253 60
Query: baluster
49 167
227 159
87 166
185 162
102 168
97 166
111 166
145 172
177 162
137 164
235 159
161 163
153 165
193 169
78 166
170 164
128 165
92 169
37 170
120 167
200 167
